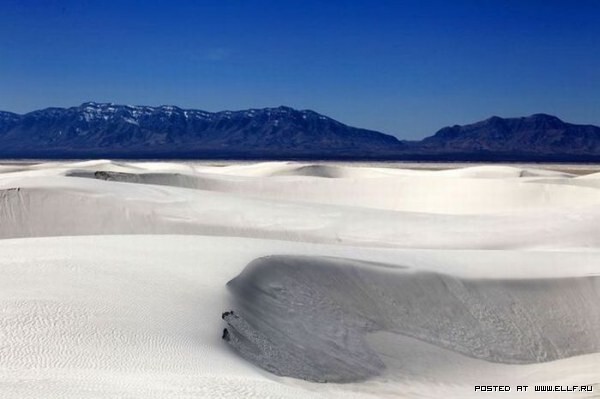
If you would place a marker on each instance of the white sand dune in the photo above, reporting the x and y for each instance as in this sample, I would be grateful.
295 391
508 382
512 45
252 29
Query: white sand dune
113 280
424 211
424 192
336 302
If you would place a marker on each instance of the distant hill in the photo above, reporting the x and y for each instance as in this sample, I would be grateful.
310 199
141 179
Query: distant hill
535 136
94 130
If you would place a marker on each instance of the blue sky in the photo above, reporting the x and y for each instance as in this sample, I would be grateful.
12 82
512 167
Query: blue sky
402 67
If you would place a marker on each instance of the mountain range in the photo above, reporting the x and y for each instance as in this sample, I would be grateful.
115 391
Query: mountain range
124 131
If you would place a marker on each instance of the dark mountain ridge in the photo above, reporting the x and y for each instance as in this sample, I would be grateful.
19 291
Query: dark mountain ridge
107 130
538 133
142 131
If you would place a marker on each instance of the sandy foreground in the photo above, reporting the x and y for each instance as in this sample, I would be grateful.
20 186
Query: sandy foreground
403 283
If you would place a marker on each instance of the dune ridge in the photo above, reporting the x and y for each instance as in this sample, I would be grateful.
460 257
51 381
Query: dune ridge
411 209
308 317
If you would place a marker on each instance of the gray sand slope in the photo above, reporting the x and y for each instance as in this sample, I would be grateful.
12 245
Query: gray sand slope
308 317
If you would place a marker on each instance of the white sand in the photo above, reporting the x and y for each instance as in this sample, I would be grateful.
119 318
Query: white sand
88 312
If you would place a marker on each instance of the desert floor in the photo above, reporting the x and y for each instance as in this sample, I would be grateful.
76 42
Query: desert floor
386 280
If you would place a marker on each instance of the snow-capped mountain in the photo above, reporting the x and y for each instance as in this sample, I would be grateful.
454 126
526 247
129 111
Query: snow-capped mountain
94 129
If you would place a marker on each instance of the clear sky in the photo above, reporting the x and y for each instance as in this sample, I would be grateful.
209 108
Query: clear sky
402 67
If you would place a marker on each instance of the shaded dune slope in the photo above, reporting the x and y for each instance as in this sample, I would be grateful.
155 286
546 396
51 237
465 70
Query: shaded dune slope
59 206
308 317
476 207
490 190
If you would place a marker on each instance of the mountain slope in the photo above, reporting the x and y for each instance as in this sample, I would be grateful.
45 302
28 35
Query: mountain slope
538 134
8 120
94 129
